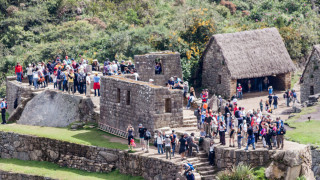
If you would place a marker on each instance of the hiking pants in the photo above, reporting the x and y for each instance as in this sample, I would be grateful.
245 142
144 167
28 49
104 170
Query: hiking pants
245 139
173 148
280 140
223 137
70 87
88 90
211 157
274 141
30 79
3 115
207 129
146 143
190 148
239 142
251 141
19 74
160 148
168 151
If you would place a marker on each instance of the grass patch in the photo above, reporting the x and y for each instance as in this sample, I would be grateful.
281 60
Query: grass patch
304 111
93 136
295 77
305 132
48 169
259 173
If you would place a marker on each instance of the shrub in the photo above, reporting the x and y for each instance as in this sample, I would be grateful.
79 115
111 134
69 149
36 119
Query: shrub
232 7
237 173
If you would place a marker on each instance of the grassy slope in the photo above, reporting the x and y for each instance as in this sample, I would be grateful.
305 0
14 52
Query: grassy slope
86 136
54 171
304 132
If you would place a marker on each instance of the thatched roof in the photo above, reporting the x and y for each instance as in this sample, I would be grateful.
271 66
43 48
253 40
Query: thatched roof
316 49
256 53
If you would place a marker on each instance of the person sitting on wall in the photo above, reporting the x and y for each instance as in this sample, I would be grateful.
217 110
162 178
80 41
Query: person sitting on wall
171 82
158 68
177 83
95 65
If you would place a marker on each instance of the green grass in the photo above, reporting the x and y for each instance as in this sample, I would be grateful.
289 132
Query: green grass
305 132
54 171
304 111
295 78
259 173
93 137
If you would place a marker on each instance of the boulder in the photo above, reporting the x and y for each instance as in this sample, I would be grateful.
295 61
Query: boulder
55 109
292 159
273 172
297 108
108 156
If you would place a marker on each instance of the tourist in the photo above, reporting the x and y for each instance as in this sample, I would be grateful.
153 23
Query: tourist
130 131
54 79
81 81
280 133
275 101
226 110
173 138
250 138
29 74
270 90
266 83
114 67
268 137
202 136
35 77
96 84
214 126
197 113
191 97
171 82
141 136
239 91
249 85
167 146
188 168
222 131
70 82
206 92
182 143
18 71
228 122
159 141
158 68
286 95
274 134
177 83
239 137
203 96
65 81
294 96
185 89
232 133
191 143
263 133
255 128
163 142
207 125
261 105
211 153
220 118
146 137
267 105
3 111
244 128
95 65
88 84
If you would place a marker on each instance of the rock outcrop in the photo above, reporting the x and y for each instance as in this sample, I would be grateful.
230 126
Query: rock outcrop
55 109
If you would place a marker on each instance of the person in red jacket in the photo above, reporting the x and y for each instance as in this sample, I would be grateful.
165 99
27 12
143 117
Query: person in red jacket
18 72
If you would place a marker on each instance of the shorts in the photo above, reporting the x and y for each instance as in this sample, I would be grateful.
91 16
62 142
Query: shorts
232 134
129 138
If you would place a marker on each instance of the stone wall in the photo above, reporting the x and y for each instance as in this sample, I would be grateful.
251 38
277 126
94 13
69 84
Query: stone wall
284 81
88 158
311 77
5 175
215 74
171 66
125 101
13 93
316 162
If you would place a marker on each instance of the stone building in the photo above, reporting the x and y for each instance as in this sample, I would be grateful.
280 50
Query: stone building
235 58
126 101
310 80
170 65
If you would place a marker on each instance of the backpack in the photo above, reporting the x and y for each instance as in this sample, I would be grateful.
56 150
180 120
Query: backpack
61 76
148 134
283 130
173 139
191 166
81 78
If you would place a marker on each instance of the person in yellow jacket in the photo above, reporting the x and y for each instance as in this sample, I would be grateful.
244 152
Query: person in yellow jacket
70 82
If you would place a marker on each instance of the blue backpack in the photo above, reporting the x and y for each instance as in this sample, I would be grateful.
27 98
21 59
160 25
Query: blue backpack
191 166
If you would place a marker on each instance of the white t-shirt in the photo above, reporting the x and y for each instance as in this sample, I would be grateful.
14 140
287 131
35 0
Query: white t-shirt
88 80
35 74
214 122
212 147
114 67
29 71
159 140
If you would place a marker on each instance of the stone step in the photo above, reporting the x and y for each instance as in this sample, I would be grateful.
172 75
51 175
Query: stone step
164 129
204 168
190 118
209 177
189 121
208 172
203 159
201 164
190 125
202 155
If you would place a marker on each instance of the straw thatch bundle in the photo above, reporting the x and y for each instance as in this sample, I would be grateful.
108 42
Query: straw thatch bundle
251 54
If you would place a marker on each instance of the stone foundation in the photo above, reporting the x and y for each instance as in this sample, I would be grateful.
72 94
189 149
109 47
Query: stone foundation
88 158
5 175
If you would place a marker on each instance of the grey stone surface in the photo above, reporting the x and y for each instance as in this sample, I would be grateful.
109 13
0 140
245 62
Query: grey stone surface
316 162
5 175
55 109
147 104
171 66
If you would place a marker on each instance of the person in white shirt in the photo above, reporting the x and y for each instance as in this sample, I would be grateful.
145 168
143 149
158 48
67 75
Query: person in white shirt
29 74
35 77
88 85
114 68
244 133
211 153
159 139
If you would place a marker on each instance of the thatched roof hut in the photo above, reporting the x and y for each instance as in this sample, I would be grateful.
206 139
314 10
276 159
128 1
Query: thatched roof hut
260 52
247 54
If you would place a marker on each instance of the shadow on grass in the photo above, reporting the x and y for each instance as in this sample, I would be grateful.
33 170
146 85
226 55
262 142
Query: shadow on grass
96 137
53 170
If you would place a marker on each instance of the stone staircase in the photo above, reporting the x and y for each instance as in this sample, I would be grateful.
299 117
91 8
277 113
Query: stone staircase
189 121
202 166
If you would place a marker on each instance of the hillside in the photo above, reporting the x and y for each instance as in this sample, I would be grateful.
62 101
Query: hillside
33 31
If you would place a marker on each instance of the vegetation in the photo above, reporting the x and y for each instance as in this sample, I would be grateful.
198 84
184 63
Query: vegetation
243 172
32 31
48 169
88 136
